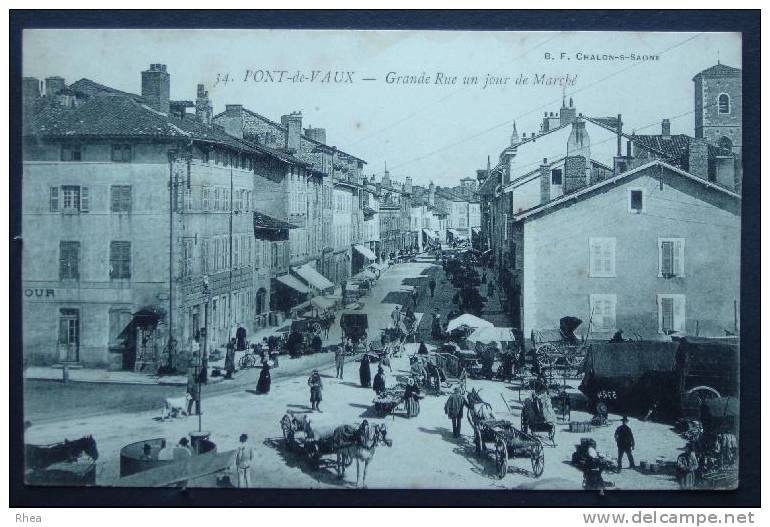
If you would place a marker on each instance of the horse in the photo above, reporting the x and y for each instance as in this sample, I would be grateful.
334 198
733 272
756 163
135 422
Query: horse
42 456
478 411
363 449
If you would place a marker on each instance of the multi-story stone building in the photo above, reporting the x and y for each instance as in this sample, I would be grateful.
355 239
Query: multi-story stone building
138 223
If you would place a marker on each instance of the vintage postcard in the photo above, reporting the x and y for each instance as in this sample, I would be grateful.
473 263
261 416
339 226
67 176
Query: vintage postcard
381 259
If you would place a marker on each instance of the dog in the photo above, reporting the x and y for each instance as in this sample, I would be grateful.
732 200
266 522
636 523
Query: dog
175 406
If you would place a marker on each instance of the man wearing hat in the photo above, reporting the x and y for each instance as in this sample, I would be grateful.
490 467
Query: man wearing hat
454 410
379 380
624 438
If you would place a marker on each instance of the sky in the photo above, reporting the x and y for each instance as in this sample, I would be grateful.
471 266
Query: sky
432 131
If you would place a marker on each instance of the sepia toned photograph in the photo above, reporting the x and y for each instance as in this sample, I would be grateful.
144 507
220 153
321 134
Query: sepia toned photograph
474 260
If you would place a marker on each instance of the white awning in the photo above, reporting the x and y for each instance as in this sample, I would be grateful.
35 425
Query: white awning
293 283
429 234
476 229
313 277
379 267
366 252
454 232
322 303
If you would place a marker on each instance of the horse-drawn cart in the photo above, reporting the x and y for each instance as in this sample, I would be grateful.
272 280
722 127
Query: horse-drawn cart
354 326
509 442
559 350
390 401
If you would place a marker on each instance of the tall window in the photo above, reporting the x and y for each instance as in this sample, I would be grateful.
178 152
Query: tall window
121 153
671 313
603 312
636 201
120 259
73 199
602 257
670 257
187 258
724 103
72 152
69 260
120 197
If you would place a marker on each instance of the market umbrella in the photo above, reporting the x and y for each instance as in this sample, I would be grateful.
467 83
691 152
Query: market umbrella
468 320
492 334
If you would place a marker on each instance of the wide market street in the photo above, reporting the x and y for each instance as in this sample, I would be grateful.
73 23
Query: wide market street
423 455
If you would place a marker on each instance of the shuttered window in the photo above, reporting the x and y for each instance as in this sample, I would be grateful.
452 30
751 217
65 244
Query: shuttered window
54 199
671 313
121 153
120 260
670 257
601 257
69 260
120 198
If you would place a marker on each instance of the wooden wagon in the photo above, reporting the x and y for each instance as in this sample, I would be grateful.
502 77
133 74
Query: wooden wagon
509 443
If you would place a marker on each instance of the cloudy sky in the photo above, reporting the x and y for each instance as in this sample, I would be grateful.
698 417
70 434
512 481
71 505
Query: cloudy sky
439 132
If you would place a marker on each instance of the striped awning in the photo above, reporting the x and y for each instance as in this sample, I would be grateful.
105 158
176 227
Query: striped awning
366 252
313 277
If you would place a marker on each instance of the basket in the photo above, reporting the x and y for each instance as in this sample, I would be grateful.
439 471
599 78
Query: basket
580 426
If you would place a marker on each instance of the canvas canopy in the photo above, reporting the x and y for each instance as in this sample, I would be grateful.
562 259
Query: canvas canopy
366 252
468 320
322 303
486 335
293 283
313 277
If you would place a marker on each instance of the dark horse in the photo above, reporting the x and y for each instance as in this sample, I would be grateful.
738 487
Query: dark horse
42 456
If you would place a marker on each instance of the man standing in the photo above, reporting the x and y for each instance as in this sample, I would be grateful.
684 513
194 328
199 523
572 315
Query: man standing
454 410
230 359
339 360
395 315
432 286
415 297
194 389
243 458
624 438
686 466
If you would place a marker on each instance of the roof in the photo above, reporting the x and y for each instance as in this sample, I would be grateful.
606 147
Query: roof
719 70
90 88
120 116
586 191
263 221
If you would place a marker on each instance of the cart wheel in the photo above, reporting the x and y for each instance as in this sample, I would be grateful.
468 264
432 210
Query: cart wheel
316 327
538 459
501 458
313 454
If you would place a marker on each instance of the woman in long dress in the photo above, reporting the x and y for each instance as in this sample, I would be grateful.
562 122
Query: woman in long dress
365 373
263 384
412 398
316 388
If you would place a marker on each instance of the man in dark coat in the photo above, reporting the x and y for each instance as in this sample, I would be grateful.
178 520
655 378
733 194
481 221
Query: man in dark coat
624 438
379 381
365 373
454 410
316 345
423 349
435 331
432 286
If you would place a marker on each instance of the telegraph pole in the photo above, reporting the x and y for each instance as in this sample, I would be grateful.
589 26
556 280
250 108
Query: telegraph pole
230 283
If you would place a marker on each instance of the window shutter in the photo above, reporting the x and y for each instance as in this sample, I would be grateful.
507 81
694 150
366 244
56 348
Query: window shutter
667 258
677 259
54 199
63 330
667 314
84 199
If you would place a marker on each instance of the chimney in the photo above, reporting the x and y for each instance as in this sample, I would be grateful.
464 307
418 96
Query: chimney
698 158
408 184
386 177
545 182
156 87
620 136
665 129
316 134
293 124
30 88
567 114
54 85
579 144
574 173
203 107
232 120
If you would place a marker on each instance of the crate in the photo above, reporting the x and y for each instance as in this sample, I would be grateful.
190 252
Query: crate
580 426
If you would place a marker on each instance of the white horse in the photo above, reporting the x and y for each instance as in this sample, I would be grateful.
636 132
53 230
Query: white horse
363 449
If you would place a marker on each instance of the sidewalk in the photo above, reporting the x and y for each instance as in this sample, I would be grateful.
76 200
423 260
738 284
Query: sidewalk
92 375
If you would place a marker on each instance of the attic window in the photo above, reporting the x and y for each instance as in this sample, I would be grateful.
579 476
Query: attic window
556 176
636 201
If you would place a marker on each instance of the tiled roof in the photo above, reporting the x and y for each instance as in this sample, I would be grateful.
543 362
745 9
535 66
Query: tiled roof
90 88
676 149
719 70
120 116
263 221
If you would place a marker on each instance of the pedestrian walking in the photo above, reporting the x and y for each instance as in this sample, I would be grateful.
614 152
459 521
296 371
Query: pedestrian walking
316 344
243 458
230 359
395 315
194 389
412 398
240 336
379 381
432 286
453 408
339 361
624 438
435 330
263 383
316 389
364 372
415 297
